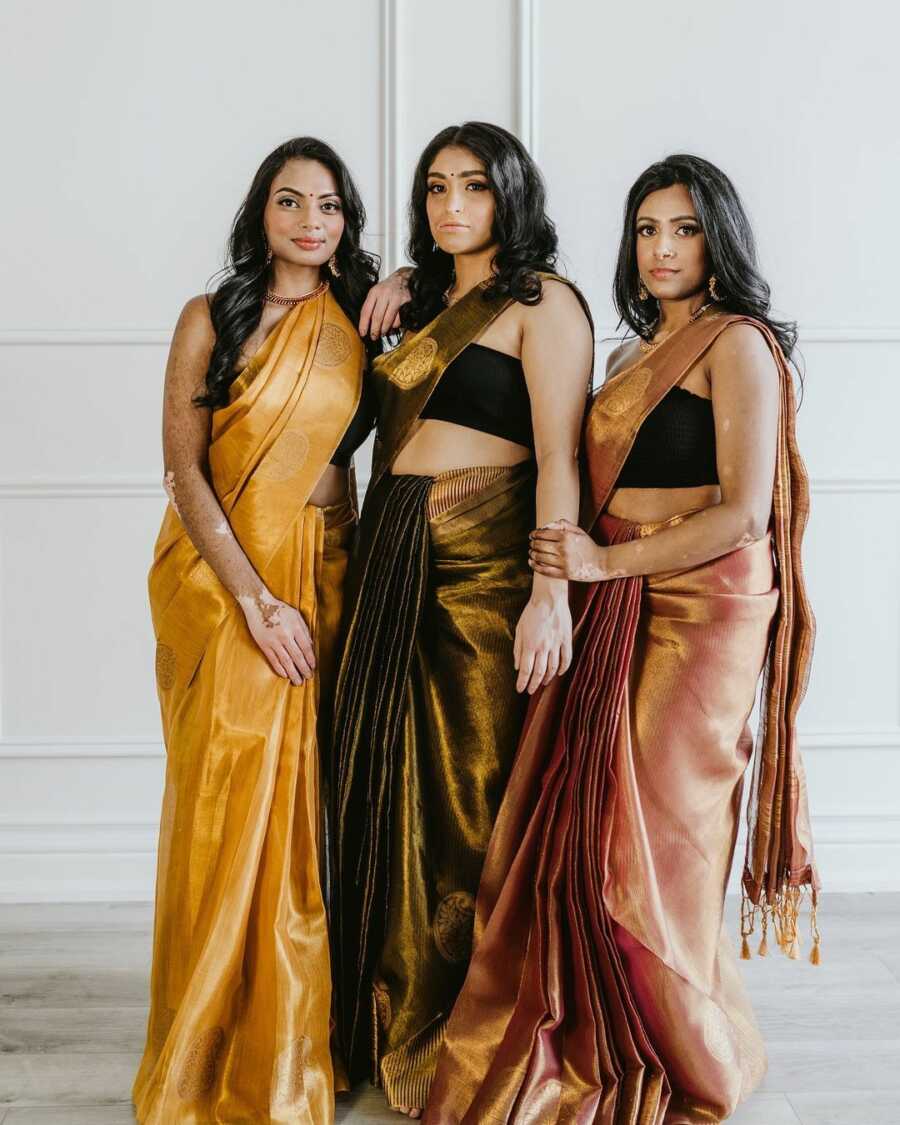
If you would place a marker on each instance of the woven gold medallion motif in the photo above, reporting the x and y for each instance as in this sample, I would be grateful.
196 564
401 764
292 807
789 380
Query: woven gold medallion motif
198 1071
417 364
166 666
290 1072
454 920
285 458
621 398
333 347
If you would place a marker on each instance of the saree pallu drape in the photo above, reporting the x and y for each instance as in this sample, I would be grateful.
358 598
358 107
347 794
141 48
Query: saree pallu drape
602 988
240 1015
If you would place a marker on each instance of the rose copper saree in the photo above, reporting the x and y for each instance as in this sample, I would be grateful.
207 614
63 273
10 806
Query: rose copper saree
240 1012
602 988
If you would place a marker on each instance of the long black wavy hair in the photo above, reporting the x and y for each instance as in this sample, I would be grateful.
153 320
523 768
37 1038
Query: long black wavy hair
237 303
525 236
729 244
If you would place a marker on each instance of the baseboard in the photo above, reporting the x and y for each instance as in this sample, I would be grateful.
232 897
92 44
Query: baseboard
117 862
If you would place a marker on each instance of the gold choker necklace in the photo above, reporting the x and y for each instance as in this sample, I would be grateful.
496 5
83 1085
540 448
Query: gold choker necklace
289 302
652 345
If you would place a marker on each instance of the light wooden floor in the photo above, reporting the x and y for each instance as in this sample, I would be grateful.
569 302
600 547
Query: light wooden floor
73 984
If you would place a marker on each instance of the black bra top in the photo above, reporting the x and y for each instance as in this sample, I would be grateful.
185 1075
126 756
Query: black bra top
485 390
361 425
675 447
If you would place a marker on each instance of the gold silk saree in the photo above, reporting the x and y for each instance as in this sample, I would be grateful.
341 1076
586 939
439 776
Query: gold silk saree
240 1018
602 988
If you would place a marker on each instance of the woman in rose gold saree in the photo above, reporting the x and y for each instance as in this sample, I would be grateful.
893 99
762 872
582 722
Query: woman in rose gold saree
602 987
246 594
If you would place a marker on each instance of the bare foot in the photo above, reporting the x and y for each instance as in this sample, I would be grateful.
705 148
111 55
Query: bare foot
407 1111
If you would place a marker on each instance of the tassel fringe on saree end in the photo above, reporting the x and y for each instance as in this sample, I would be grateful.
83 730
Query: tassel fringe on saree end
783 914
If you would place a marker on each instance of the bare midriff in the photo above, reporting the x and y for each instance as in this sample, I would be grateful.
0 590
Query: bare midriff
332 487
653 505
439 447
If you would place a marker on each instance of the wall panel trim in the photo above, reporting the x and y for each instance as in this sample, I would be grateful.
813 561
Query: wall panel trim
126 747
392 177
526 76
149 488
391 173
38 748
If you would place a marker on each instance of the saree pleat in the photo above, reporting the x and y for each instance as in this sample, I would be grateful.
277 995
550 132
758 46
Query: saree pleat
566 1042
603 988
240 1014
426 725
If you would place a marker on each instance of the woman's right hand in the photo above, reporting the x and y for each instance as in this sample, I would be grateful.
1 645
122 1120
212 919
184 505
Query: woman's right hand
282 636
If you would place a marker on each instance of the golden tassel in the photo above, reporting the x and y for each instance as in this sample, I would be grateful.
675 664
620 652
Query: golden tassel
764 943
787 913
748 919
814 954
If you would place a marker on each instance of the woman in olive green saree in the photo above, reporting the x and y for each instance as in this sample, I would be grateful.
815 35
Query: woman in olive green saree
479 413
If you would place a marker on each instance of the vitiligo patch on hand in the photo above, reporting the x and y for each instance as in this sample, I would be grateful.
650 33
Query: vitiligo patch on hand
169 486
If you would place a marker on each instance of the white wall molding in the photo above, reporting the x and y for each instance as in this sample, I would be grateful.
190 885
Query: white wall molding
85 337
96 861
64 747
82 488
810 334
148 488
391 173
834 739
826 485
526 76
393 177
93 838
842 739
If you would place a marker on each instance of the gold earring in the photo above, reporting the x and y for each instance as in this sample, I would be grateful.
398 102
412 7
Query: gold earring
643 291
269 254
713 291
333 266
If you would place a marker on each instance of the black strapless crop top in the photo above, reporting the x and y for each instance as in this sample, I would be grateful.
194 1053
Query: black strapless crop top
485 390
675 447
361 425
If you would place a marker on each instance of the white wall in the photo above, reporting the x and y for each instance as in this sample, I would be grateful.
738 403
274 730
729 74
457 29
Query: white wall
138 130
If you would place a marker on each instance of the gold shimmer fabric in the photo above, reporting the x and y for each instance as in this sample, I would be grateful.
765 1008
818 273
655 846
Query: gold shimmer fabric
239 1023
602 988
426 725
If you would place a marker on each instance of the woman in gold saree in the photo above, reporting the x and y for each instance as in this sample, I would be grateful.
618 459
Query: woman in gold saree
602 988
480 409
264 406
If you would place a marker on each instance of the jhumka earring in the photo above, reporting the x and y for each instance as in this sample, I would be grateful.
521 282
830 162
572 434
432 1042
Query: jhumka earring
643 291
713 291
269 254
333 266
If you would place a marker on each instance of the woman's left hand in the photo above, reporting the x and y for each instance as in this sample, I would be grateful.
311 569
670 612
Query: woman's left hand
543 643
562 550
380 313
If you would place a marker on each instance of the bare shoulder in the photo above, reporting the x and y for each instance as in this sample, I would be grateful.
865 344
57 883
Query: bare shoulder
194 330
741 362
743 342
558 309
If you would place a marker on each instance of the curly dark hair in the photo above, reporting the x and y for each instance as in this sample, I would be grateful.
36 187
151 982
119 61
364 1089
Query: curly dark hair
729 244
237 304
525 235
